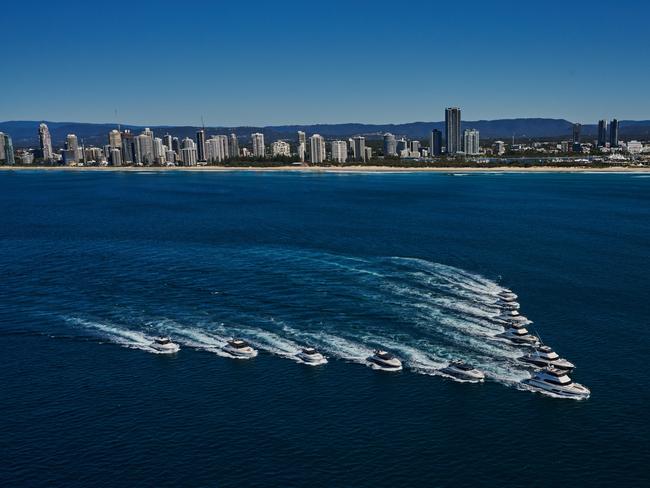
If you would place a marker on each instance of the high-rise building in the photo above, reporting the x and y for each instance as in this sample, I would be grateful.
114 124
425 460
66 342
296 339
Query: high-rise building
415 146
367 153
390 145
128 147
602 133
360 148
499 148
339 151
613 133
402 147
216 149
6 149
158 150
45 142
302 145
116 157
200 144
168 141
452 130
281 148
471 141
577 129
72 149
144 152
258 145
234 146
317 149
115 139
176 146
436 143
188 152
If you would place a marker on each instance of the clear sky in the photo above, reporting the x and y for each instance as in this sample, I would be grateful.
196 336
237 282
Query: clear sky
267 63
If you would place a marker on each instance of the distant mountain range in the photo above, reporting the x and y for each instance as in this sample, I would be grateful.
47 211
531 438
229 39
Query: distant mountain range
25 133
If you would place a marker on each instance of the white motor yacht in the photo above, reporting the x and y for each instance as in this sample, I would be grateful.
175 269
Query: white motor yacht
463 371
239 348
557 382
164 344
545 356
518 334
384 361
311 356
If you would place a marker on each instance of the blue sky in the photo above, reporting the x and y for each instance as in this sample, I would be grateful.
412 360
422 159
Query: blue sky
267 63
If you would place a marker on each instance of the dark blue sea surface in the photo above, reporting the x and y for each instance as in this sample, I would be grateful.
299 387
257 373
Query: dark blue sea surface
94 265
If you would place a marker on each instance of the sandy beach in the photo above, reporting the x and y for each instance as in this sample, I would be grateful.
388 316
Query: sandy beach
340 169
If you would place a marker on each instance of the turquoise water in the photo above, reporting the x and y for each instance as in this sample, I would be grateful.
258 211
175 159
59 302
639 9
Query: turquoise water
93 265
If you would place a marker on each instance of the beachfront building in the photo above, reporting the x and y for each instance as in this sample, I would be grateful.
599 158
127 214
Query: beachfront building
45 141
280 148
258 145
390 145
471 142
452 130
317 148
339 151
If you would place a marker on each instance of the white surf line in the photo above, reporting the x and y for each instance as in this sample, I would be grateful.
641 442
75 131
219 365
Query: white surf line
116 334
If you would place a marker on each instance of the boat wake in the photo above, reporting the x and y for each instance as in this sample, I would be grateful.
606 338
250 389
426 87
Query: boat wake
281 300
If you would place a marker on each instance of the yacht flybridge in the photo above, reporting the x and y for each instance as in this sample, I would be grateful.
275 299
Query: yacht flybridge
384 361
545 356
240 349
164 345
311 356
464 372
557 382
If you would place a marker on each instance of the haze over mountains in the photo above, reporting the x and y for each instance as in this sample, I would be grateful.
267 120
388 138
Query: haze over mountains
25 133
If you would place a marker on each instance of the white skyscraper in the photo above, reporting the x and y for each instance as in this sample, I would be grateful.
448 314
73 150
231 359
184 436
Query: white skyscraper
158 150
360 148
317 148
144 153
258 145
471 142
46 142
302 145
339 151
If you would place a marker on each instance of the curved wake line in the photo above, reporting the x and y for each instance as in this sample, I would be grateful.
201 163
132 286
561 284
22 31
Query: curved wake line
428 314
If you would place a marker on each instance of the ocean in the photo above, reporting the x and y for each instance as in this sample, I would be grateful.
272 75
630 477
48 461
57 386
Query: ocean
93 265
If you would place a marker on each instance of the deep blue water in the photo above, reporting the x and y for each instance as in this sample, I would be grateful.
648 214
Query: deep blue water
92 265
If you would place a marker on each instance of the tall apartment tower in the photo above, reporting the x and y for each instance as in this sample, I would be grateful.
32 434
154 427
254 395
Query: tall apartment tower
115 139
72 148
234 146
452 130
317 148
602 133
436 143
46 142
258 145
613 133
339 151
200 145
390 145
471 142
360 148
577 128
302 145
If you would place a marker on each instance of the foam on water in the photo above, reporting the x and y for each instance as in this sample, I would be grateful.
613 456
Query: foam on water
426 313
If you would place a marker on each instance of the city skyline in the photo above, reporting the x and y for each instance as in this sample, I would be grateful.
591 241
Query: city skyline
253 65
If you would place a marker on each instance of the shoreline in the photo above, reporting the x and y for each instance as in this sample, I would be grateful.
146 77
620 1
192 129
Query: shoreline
334 169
